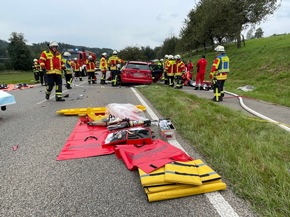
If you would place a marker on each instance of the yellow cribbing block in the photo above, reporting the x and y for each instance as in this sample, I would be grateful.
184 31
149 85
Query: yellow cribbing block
154 178
167 187
182 172
206 173
96 110
188 191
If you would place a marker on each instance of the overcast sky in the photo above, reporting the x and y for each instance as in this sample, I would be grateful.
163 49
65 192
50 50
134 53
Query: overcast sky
111 24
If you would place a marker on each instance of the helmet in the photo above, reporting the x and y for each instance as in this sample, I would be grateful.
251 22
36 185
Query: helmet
170 57
177 57
66 54
90 57
104 54
114 52
220 48
75 58
53 44
34 60
161 60
166 56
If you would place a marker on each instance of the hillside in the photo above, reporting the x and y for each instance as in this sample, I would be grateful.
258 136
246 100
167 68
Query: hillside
263 63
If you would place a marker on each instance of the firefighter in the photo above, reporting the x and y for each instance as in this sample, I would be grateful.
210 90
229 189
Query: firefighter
68 70
200 72
169 70
91 69
180 70
51 61
164 77
103 67
113 63
219 73
76 69
36 69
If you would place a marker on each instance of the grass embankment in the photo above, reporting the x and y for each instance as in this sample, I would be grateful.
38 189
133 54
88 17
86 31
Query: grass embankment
16 77
252 156
263 63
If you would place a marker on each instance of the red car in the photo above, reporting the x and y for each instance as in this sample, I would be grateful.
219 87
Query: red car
136 72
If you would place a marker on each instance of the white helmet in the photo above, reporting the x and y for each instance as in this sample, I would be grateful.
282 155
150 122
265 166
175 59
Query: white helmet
75 58
114 52
66 54
104 54
90 57
166 56
34 60
177 57
53 44
220 48
161 60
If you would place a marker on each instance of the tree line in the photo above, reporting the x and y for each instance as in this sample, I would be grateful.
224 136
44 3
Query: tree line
209 23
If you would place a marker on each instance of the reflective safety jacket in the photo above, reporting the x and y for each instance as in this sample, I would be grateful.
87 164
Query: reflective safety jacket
103 64
36 66
114 61
170 66
91 66
76 66
68 66
52 62
220 67
201 66
180 67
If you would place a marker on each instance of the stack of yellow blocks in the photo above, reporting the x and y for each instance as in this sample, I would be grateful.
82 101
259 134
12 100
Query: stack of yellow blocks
180 179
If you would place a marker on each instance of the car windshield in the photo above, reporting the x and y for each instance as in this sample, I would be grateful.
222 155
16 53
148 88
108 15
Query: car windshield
138 66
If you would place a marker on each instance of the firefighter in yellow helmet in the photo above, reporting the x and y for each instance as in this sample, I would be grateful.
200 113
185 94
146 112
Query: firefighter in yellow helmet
113 64
103 67
219 73
51 61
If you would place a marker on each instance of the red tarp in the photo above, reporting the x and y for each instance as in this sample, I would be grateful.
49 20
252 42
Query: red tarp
85 141
150 157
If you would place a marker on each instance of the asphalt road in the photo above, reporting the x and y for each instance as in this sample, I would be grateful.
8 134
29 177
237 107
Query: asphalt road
33 183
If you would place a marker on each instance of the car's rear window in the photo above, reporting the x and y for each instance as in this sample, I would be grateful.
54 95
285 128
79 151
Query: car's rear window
138 66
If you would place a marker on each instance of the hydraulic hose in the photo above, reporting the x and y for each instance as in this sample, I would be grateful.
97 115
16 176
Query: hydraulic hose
258 114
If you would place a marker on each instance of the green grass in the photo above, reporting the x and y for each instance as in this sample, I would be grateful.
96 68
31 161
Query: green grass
253 157
16 77
263 63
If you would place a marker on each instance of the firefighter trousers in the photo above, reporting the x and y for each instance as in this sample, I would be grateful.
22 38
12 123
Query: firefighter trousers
218 89
54 79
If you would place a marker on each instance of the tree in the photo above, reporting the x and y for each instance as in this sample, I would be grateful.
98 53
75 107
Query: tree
259 33
19 52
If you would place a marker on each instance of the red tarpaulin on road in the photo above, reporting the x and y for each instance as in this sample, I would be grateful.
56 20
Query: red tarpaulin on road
150 157
85 141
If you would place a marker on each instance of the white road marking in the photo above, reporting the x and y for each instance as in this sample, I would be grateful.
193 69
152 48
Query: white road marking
215 198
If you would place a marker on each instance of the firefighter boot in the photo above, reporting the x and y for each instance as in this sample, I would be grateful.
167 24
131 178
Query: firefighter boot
3 108
57 98
47 96
81 79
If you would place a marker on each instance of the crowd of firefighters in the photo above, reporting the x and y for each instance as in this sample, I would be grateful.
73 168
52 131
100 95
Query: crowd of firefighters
52 65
